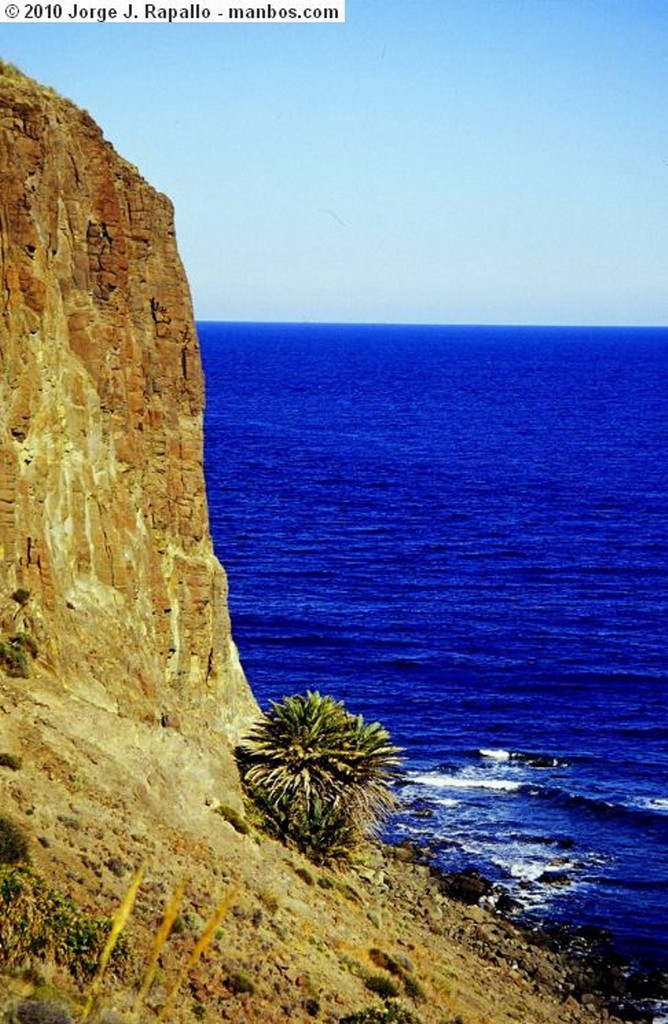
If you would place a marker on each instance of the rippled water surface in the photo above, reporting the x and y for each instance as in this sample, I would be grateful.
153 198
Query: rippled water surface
463 533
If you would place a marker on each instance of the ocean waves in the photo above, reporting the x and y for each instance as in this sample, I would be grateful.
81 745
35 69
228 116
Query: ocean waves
525 820
451 531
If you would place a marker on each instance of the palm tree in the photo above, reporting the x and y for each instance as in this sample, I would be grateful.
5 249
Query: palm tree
317 769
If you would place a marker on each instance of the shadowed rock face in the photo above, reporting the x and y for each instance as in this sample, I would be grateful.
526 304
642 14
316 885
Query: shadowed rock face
103 513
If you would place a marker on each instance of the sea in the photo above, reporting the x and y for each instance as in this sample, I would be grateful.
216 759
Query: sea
462 532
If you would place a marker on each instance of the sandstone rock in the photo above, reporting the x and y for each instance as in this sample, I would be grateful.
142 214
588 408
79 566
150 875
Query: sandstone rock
103 513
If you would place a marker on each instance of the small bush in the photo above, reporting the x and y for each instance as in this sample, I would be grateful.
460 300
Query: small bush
116 866
11 761
37 921
36 1011
382 986
350 893
233 818
391 1013
178 926
413 988
14 847
240 983
305 875
21 596
384 961
13 658
27 642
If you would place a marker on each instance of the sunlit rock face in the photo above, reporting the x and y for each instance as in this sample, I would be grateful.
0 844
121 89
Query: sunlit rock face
103 513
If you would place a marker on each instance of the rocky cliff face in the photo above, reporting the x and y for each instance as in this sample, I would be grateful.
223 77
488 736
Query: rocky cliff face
103 514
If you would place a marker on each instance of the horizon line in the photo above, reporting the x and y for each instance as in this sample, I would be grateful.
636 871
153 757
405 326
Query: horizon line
408 323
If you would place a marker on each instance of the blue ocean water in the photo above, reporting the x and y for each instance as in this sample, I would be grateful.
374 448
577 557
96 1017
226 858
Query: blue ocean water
463 533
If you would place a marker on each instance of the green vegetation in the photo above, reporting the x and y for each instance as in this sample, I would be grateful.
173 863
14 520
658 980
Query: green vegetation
319 776
37 921
388 963
14 654
240 983
42 1011
13 843
385 961
13 658
21 596
9 70
238 823
381 985
27 642
413 988
10 761
391 1013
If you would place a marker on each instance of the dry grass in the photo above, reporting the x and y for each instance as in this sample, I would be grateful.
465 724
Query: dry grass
205 939
118 924
161 938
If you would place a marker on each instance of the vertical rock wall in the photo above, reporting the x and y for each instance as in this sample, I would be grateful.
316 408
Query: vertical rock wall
103 513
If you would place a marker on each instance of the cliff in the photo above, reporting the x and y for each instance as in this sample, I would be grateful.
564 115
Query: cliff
120 690
103 514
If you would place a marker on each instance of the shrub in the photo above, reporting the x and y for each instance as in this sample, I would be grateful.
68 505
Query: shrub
37 921
27 642
11 761
322 832
240 983
384 961
319 775
381 985
37 1011
21 596
13 657
391 1013
413 988
238 823
13 843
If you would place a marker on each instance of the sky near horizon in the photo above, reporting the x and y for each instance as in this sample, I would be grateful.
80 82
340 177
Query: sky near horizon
428 161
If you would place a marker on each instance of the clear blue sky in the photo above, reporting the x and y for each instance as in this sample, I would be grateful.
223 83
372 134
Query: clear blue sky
430 161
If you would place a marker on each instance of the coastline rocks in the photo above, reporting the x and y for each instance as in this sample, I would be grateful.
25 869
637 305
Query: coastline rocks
597 973
554 877
467 886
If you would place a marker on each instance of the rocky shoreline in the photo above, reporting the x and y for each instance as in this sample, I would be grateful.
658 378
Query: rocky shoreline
595 973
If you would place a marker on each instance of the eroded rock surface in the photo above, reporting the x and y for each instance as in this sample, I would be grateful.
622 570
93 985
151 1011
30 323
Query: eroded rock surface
103 514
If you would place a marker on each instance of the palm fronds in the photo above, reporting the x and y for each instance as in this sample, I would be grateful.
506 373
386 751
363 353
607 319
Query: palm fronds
309 760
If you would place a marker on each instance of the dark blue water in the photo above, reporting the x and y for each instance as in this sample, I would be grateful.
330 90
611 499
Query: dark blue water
463 533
